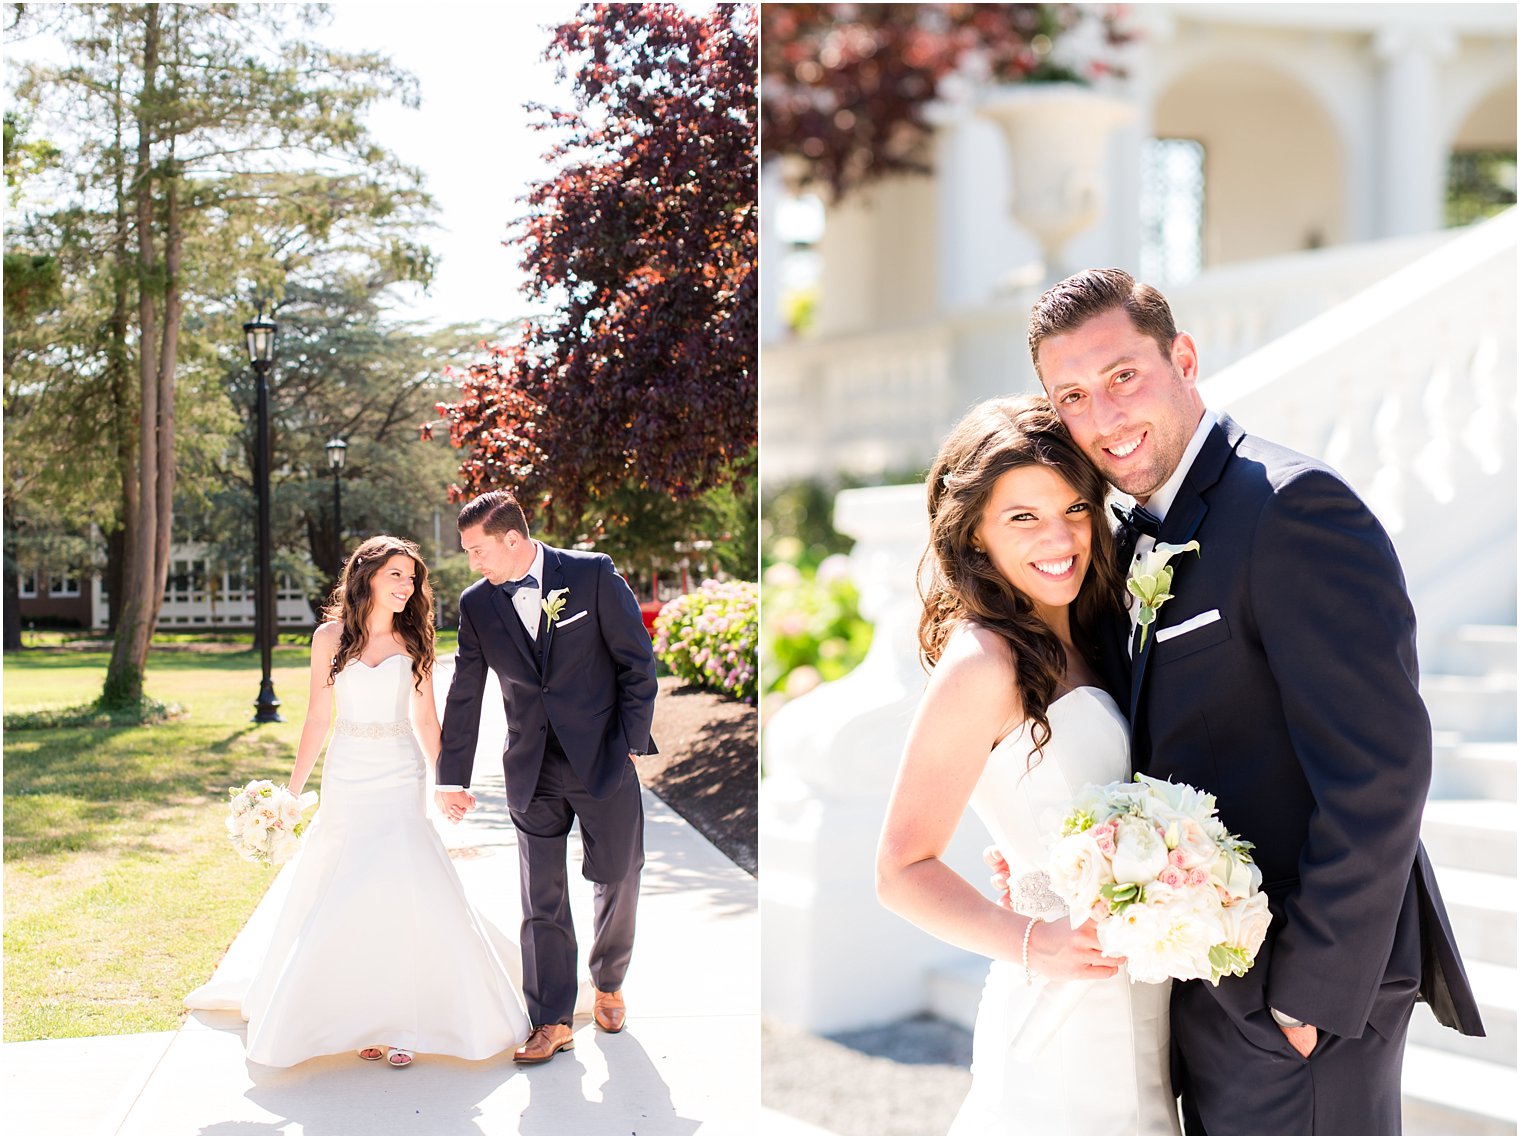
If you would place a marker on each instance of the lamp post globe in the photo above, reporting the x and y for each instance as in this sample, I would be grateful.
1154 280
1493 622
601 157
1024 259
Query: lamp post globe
260 336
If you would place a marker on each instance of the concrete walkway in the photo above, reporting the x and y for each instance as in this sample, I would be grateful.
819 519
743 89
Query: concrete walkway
687 1062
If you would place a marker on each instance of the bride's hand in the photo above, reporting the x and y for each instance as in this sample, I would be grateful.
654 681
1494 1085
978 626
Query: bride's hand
1064 954
999 867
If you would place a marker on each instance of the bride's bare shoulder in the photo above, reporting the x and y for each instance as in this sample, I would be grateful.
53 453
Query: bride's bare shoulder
976 655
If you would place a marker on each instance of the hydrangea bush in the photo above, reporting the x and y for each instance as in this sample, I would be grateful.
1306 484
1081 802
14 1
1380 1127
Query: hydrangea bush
813 628
711 637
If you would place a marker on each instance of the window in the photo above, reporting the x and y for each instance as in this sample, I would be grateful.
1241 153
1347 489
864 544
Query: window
63 585
1479 184
26 584
1171 210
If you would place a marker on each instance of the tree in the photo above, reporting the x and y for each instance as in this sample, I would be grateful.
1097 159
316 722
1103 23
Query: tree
643 378
846 87
215 160
343 370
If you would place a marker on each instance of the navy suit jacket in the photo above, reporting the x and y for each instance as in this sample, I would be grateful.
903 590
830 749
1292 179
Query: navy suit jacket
1299 709
590 676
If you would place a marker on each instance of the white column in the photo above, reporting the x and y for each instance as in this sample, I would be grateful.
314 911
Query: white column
1412 161
772 325
833 959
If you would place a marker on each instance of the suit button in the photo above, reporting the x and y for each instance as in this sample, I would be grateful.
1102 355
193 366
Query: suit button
546 688
540 729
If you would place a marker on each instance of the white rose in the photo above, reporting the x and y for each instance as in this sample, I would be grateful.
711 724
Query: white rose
1140 853
1237 875
1168 935
1197 847
290 811
1078 871
1245 923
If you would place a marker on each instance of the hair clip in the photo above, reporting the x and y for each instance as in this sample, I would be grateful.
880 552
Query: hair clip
944 480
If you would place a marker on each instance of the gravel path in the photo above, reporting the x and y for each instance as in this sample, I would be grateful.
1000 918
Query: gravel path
906 1078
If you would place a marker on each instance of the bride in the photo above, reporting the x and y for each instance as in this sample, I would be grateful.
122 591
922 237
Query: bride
376 947
1014 721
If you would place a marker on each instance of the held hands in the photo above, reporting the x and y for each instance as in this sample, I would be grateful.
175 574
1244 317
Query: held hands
454 804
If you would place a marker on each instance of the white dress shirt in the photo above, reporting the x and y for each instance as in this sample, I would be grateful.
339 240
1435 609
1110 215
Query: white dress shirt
527 599
1161 501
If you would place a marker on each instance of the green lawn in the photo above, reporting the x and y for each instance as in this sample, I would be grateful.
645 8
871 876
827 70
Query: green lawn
121 889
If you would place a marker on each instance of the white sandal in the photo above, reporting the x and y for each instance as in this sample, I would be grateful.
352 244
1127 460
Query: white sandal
400 1058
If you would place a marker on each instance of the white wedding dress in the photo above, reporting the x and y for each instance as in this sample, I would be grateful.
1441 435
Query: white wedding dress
1105 1070
374 942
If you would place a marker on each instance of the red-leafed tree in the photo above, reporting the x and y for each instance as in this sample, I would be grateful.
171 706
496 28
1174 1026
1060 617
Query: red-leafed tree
644 242
845 87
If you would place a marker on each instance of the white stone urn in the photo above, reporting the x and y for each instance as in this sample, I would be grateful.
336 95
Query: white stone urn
1057 138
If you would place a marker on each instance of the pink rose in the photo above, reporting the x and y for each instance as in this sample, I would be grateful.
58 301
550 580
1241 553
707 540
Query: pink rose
1197 876
1172 877
1178 858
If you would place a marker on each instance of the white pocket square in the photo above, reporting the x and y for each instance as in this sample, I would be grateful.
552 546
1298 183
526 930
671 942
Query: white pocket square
1188 626
572 620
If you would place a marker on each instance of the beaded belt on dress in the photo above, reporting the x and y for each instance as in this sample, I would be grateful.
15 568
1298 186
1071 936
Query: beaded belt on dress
372 730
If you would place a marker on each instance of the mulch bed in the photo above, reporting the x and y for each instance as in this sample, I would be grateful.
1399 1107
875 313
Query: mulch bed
708 767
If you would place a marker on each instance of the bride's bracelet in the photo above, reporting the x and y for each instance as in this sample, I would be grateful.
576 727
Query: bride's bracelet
1028 929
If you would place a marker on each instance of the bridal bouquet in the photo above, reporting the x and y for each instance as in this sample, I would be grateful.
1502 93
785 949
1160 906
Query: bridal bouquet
1169 888
265 823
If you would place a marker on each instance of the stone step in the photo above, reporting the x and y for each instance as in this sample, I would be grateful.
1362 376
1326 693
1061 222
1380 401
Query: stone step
1481 708
1482 908
1445 1094
1465 770
1495 987
1478 650
1471 834
955 989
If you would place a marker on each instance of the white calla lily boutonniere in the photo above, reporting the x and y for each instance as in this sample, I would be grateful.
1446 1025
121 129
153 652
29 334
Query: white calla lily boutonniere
1150 579
554 604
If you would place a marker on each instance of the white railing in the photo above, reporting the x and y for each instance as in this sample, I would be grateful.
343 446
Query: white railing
1408 389
877 402
854 403
1235 309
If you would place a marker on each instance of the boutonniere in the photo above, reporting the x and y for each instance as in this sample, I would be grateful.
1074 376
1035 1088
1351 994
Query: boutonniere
1149 579
554 604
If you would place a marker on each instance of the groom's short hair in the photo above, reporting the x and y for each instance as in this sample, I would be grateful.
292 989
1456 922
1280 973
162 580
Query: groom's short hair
1066 306
496 512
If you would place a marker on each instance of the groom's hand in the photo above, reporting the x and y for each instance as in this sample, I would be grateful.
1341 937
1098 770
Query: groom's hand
1303 1039
453 804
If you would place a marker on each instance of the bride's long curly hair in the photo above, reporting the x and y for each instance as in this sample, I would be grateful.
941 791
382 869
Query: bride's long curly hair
959 583
355 593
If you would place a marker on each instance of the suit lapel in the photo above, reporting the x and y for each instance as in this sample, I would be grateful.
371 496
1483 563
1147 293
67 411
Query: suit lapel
1181 524
554 578
515 631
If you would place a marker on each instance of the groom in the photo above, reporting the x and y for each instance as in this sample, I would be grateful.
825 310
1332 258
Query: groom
1281 677
563 633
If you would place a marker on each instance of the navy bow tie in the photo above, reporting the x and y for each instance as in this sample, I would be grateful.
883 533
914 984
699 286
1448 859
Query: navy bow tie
528 581
1139 519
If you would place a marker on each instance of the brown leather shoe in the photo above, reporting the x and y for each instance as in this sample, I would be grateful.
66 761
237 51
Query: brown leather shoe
608 1011
547 1039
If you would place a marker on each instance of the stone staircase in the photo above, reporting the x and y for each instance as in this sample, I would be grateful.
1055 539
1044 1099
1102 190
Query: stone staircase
1458 1085
1453 1084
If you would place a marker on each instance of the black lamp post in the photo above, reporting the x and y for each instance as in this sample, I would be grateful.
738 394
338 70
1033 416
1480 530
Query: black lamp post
337 450
260 334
